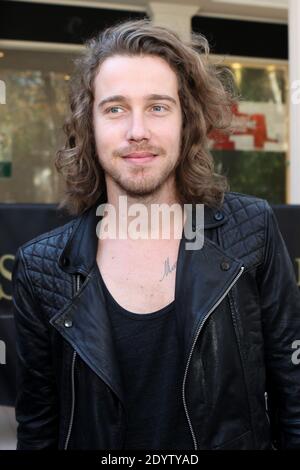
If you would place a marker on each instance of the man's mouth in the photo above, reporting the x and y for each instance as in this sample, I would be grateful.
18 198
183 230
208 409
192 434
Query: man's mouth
140 157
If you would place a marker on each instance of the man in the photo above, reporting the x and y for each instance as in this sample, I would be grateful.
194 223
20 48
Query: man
140 343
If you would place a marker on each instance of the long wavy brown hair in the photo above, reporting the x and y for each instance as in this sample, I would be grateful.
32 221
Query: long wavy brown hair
206 97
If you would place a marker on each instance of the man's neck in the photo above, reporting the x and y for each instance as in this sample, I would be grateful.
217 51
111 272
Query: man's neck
158 214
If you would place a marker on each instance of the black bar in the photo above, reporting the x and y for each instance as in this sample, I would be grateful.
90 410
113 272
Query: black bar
56 23
244 38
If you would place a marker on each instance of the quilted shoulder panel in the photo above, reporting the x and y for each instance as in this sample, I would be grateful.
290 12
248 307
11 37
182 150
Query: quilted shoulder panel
244 233
51 286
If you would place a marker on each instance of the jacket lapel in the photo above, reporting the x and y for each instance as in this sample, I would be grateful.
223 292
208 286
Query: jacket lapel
201 281
91 331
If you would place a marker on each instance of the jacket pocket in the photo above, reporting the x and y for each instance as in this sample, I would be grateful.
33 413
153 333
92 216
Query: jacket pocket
242 442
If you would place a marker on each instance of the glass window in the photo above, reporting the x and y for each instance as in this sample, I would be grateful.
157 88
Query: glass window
35 106
254 157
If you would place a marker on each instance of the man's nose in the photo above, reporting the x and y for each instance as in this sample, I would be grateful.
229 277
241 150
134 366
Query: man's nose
138 128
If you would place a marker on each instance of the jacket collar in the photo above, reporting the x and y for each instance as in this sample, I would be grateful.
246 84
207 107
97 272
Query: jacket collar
79 253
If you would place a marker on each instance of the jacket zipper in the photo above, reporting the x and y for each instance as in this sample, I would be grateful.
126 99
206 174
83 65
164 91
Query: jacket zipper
77 287
193 346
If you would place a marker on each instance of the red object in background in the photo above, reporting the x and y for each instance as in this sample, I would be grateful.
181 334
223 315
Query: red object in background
247 124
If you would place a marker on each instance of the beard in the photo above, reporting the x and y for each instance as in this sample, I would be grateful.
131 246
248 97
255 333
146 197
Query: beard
141 182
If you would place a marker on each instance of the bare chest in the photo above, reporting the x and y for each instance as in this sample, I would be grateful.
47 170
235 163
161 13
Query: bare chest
141 281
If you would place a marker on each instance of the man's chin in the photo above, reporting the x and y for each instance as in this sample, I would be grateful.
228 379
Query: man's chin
140 186
138 189
140 192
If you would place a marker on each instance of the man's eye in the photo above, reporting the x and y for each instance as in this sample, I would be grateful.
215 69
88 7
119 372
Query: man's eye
159 106
113 108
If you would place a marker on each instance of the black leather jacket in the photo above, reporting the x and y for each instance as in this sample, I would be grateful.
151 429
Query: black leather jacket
238 308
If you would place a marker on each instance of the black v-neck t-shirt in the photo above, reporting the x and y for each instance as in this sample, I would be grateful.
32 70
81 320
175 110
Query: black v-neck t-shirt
152 370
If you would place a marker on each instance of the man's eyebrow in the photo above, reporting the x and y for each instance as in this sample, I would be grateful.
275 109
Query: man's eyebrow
122 98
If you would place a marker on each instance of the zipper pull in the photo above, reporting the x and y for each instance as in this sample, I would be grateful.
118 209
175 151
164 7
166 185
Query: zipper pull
266 401
77 282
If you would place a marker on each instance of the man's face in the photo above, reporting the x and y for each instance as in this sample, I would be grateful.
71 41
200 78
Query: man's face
141 115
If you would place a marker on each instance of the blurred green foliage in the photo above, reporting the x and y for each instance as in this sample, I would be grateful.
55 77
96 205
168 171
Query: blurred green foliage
260 174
